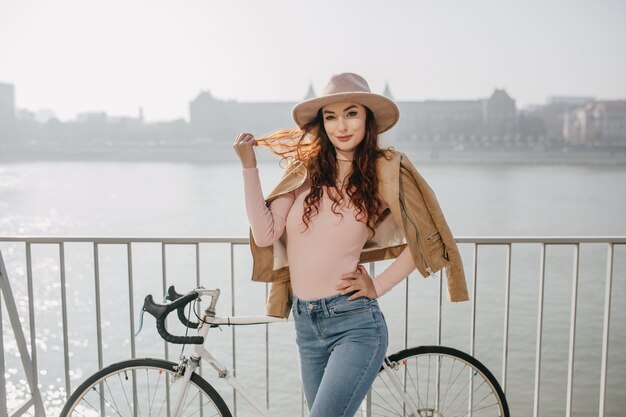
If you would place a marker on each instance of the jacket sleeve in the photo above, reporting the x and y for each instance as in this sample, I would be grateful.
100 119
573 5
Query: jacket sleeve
267 223
457 287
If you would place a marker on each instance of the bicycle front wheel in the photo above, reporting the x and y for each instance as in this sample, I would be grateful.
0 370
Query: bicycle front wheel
142 387
440 381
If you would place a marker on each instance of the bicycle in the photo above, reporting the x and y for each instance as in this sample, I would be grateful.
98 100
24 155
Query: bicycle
424 381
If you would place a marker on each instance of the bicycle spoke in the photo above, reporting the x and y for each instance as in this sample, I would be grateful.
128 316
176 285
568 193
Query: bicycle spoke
470 393
476 409
111 394
386 415
383 397
483 399
89 404
462 388
189 403
445 394
108 403
162 404
148 386
156 388
386 402
119 377
419 398
452 384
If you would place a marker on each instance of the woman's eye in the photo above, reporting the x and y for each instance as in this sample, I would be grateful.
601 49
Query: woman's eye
352 113
329 117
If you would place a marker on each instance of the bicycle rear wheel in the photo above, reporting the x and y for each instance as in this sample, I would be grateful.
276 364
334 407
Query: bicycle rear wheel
142 387
441 381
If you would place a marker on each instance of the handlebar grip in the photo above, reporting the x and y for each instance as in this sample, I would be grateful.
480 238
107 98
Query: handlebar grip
160 312
179 340
183 319
172 295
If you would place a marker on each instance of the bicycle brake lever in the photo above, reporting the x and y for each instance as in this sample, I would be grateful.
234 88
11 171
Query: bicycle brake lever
141 313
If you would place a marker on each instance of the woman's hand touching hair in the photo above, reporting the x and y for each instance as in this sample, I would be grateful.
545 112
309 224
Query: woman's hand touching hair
358 281
244 148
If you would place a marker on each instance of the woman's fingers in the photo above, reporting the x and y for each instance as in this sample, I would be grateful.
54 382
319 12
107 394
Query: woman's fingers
358 282
350 284
243 147
244 137
346 283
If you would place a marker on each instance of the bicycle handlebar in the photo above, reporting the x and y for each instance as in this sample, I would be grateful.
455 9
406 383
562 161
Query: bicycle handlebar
160 312
172 295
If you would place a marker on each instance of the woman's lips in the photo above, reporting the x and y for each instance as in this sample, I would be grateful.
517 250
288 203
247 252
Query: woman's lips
344 138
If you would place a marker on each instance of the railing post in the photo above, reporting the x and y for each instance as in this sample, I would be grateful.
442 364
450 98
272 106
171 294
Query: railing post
605 329
27 364
31 314
542 274
232 307
572 333
473 325
507 298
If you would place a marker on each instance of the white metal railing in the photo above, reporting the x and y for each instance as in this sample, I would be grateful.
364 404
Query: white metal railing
474 243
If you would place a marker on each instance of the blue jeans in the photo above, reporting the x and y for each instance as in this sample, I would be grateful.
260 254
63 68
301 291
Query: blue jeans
341 345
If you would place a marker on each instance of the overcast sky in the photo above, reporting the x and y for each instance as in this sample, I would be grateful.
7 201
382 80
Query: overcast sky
119 55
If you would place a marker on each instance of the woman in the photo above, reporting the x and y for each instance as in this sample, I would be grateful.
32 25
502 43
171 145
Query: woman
335 207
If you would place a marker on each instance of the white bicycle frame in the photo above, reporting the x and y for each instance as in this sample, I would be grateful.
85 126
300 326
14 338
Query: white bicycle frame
201 353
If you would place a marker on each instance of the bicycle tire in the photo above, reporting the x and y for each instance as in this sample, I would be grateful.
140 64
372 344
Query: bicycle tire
459 383
124 388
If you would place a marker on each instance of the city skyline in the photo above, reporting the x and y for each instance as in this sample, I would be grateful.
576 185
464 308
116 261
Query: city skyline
50 113
492 121
118 57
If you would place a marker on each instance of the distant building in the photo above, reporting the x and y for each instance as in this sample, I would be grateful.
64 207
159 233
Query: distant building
437 121
426 121
549 119
597 122
93 117
221 120
499 113
7 110
453 121
44 115
127 121
569 100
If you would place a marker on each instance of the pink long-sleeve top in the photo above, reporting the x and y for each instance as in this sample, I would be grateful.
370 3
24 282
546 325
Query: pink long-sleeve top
321 254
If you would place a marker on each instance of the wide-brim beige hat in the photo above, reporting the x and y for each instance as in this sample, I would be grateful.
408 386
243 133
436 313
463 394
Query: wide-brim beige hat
349 87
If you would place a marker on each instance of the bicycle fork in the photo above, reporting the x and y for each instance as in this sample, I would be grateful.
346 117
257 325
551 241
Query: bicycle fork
189 368
389 370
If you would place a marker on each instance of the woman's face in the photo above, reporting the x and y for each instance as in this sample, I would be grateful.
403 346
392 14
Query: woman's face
344 124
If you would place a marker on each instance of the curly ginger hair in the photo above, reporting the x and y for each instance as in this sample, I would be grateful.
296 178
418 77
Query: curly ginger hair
312 147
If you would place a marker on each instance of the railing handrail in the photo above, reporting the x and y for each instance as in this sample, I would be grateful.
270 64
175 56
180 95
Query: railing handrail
125 239
497 240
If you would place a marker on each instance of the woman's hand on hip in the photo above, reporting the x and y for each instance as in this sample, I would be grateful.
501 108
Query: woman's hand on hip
359 281
244 148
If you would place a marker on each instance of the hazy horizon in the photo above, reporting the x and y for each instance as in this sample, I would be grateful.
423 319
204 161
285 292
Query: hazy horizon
115 56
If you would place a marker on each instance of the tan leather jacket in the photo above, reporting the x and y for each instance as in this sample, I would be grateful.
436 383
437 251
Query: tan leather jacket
413 217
